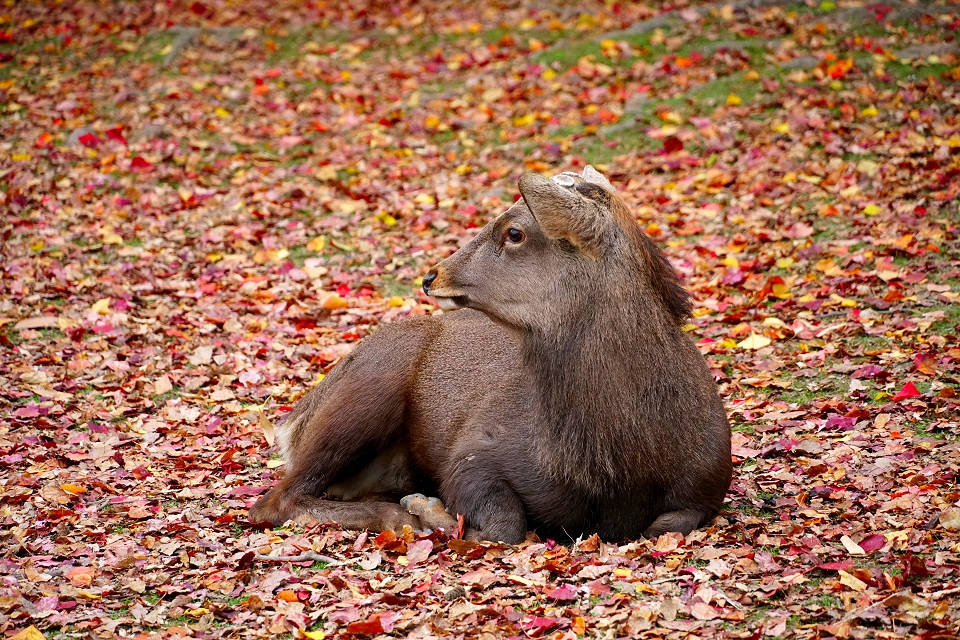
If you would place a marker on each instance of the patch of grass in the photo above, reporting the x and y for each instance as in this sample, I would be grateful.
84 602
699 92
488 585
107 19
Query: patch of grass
716 92
299 255
567 55
948 325
393 287
49 333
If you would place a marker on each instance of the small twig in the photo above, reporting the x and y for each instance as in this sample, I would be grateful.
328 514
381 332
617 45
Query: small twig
303 557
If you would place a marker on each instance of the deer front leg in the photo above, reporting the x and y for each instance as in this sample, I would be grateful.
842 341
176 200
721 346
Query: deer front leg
491 509
682 521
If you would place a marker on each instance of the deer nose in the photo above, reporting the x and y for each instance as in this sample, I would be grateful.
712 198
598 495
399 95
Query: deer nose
428 280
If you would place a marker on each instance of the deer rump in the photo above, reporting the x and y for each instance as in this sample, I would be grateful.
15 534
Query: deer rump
563 395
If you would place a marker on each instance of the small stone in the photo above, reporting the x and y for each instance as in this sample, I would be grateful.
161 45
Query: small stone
454 594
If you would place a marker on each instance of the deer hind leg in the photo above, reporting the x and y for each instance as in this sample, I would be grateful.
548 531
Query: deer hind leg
372 516
343 425
683 521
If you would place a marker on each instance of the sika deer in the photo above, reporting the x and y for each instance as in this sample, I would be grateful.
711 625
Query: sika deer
563 395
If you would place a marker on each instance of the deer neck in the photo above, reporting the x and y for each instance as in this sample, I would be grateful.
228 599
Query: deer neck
592 377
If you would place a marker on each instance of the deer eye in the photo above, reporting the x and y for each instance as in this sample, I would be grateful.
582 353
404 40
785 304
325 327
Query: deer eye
515 236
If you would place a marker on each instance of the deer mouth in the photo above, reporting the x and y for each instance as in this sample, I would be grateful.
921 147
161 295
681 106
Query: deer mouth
450 303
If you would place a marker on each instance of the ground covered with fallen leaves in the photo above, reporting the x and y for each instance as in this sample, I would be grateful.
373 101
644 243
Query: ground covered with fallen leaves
203 206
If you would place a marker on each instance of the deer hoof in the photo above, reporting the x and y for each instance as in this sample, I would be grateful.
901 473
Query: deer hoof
431 512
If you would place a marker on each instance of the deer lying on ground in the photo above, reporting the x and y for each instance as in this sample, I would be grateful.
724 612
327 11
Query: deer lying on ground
562 396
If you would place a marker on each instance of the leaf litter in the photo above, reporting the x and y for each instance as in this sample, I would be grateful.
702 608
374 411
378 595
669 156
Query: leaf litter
205 206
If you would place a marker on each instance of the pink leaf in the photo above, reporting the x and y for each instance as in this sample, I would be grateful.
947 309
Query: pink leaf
563 592
872 543
419 551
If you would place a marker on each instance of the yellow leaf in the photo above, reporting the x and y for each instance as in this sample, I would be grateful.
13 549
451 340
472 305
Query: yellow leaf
672 116
414 99
870 111
733 100
269 433
755 341
196 613
395 301
731 261
852 581
549 74
20 157
317 244
386 219
313 635
101 306
30 633
785 263
871 210
752 75
524 120
781 127
223 113
836 85
109 237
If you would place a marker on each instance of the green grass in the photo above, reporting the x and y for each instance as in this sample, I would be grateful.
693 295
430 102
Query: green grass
947 326
390 287
564 57
300 254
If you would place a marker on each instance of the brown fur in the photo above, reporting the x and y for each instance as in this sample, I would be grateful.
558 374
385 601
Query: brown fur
564 397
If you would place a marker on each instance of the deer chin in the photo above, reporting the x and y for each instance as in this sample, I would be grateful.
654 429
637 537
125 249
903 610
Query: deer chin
450 303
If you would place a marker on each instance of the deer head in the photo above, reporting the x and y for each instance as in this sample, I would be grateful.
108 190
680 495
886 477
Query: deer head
566 242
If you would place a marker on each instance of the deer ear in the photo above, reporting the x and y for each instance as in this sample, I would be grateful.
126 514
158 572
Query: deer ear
592 175
562 212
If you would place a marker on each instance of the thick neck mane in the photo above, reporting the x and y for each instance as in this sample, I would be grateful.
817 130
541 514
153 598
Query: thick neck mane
604 376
